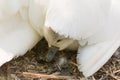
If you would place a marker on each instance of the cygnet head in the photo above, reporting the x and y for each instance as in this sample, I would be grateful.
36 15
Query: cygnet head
59 41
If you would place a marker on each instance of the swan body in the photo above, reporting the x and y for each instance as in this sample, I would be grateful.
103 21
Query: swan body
94 24
17 35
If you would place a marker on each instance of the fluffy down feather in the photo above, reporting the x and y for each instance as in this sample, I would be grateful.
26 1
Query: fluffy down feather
37 11
11 7
16 38
16 33
76 19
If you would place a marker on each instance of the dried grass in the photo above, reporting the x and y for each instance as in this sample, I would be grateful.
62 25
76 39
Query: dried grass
14 69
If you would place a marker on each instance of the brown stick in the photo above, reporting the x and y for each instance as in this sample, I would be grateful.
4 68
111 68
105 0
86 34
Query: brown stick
116 71
46 76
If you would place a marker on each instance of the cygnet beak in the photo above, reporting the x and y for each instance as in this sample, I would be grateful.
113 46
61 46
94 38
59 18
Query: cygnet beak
51 53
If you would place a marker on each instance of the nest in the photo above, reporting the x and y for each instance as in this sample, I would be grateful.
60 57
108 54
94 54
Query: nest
32 66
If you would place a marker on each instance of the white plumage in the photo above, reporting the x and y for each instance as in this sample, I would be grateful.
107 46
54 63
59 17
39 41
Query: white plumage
16 38
94 23
16 34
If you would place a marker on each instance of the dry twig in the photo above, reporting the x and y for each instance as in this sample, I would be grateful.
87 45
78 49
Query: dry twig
116 71
111 74
46 76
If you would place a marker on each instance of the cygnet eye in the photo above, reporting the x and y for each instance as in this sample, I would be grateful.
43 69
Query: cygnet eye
59 40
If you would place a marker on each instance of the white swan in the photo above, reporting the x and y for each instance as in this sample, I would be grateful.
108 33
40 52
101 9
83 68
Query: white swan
91 26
